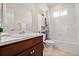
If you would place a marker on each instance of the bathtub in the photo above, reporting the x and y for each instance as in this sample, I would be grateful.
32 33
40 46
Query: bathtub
67 45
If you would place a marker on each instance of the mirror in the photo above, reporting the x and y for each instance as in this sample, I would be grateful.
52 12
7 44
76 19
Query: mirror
18 17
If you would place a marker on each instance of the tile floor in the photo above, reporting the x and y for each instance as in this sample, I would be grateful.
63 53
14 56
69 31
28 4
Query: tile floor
58 52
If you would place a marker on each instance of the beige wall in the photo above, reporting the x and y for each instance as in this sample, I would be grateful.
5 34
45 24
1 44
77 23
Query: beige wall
34 18
37 10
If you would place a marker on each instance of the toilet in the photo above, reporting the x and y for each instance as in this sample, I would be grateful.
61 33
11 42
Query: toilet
48 43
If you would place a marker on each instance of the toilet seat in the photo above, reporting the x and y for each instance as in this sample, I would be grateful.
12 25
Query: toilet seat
49 41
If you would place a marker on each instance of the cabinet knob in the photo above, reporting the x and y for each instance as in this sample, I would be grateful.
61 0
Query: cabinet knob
33 51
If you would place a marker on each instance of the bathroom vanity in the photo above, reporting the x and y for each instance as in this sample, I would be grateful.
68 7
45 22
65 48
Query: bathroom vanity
29 46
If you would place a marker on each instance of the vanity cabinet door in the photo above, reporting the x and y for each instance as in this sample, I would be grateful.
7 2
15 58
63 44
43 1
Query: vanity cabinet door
38 50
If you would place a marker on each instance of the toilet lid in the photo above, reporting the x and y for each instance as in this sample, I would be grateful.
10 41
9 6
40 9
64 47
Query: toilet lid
50 41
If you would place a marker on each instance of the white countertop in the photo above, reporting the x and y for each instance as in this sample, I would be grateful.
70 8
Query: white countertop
16 38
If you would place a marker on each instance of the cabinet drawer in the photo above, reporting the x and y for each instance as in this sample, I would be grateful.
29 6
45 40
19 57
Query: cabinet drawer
25 53
16 48
34 51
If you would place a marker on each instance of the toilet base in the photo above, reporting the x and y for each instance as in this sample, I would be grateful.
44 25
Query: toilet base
49 45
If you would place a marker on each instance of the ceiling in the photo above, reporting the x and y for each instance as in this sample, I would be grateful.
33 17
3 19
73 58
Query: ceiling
50 5
19 6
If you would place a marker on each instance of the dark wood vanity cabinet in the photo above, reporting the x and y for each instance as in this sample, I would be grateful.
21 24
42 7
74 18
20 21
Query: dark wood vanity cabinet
28 47
34 51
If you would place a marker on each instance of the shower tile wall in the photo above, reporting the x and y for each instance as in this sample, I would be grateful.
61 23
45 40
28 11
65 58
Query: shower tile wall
63 28
77 18
65 25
